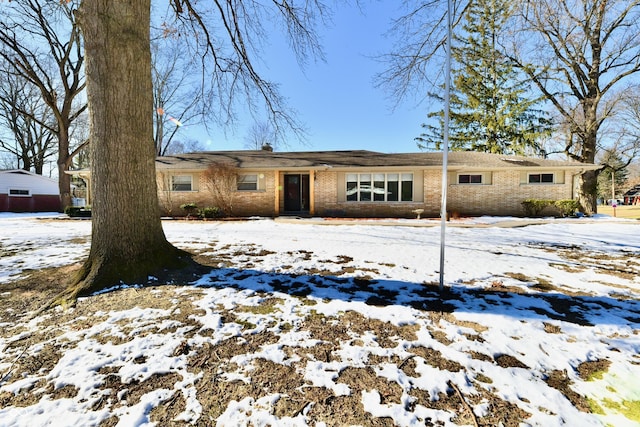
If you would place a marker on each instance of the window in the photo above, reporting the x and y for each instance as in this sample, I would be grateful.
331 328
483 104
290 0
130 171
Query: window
181 183
379 187
248 182
540 178
19 192
469 179
406 189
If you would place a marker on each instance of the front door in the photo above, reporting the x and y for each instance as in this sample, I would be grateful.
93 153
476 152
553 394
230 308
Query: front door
296 193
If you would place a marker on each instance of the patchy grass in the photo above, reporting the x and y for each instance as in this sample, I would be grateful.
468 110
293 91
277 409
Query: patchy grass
399 364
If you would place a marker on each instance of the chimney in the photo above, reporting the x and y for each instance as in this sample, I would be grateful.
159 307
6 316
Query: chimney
267 147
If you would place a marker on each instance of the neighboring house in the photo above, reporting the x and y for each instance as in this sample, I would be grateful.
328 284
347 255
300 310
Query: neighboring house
632 197
365 183
23 191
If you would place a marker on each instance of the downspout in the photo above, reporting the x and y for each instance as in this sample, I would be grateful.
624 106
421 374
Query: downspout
312 192
278 187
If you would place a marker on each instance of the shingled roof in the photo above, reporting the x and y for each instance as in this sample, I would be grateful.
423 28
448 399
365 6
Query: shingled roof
357 159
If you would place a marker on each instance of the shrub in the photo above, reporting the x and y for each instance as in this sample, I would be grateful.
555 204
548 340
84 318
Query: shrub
567 207
78 212
189 208
533 207
211 212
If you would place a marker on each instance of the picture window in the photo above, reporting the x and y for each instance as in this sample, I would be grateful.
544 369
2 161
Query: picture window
379 187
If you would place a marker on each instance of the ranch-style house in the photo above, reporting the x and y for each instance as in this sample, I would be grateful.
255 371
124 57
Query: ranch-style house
364 183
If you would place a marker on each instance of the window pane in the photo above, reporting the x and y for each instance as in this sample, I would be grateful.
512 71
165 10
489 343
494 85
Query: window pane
181 183
547 177
378 188
534 178
352 187
407 191
365 187
352 191
407 187
15 192
392 191
469 179
248 182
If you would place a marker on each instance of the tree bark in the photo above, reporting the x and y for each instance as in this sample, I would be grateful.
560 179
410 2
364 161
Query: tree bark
128 242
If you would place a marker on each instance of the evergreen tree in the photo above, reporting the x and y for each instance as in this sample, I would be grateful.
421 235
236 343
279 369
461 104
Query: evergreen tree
616 168
489 107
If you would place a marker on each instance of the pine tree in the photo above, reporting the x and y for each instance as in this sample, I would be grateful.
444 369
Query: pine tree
489 107
616 168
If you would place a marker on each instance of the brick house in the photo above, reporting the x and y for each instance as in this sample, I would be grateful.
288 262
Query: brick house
367 184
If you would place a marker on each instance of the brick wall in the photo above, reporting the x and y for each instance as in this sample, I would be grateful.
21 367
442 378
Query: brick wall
326 195
245 203
503 196
260 203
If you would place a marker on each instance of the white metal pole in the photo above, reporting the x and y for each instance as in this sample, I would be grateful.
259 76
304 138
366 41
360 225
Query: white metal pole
445 148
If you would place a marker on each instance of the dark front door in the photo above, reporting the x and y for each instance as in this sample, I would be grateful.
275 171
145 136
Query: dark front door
296 193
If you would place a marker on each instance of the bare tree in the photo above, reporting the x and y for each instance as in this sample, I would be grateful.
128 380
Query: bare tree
178 146
40 41
128 242
27 120
260 136
178 96
577 53
415 65
221 181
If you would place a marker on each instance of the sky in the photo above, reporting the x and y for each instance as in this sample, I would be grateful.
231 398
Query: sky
336 100
549 296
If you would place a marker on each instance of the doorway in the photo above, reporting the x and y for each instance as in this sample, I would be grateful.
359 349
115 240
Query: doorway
296 193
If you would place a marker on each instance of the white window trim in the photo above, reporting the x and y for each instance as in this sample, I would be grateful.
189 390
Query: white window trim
256 182
470 175
372 174
181 191
19 195
553 178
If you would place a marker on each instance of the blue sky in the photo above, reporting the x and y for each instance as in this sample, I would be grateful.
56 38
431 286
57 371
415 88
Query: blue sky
336 100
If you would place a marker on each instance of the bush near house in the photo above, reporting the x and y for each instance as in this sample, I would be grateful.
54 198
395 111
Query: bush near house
211 212
77 212
189 208
564 208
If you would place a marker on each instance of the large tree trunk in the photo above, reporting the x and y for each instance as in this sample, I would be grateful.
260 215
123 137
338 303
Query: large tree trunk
64 180
587 192
588 182
128 242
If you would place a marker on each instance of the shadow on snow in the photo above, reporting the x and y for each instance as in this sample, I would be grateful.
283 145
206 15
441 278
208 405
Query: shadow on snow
512 302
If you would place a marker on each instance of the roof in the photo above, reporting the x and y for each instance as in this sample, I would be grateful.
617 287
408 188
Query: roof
22 172
633 191
25 180
358 159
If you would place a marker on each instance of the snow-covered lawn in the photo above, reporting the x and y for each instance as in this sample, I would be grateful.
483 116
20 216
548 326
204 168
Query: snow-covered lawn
306 322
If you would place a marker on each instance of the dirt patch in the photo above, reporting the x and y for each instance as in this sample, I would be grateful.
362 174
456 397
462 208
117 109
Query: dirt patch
591 370
562 383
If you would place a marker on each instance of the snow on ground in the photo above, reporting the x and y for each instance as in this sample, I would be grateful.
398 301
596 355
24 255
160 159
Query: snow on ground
552 297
